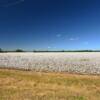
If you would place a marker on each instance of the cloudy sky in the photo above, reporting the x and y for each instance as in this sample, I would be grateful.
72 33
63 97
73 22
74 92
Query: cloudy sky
50 24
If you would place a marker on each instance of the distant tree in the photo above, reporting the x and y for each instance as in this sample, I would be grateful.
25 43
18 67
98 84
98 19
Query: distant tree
34 50
1 50
19 50
63 51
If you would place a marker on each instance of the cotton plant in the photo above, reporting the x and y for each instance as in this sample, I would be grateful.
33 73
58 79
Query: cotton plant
53 62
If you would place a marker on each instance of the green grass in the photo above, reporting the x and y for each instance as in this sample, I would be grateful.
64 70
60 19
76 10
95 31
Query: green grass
84 59
28 85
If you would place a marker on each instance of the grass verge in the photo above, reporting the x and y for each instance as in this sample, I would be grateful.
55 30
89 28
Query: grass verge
29 85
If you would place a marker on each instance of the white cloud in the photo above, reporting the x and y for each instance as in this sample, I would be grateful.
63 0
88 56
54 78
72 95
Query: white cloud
12 3
49 47
55 47
74 39
86 42
58 35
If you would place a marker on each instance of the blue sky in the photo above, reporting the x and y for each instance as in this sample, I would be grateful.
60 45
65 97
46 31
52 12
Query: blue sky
50 24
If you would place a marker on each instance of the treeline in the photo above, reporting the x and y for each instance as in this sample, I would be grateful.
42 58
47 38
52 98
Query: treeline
21 50
66 51
17 50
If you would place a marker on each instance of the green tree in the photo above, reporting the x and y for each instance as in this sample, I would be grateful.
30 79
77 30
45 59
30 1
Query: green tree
1 50
19 50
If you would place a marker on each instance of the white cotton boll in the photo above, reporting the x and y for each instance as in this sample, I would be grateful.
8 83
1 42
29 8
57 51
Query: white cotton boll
53 62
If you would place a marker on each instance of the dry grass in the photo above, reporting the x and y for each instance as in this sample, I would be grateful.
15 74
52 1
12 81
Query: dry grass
28 85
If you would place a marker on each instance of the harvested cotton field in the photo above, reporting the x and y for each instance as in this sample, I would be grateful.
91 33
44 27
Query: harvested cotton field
73 62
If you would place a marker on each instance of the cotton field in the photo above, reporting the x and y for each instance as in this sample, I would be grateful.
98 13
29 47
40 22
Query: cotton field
85 62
